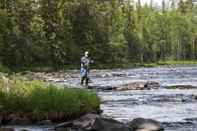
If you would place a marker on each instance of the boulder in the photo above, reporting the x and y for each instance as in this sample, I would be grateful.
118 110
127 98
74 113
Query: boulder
84 122
103 124
93 122
139 86
141 124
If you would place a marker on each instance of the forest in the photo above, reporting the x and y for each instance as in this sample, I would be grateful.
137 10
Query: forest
55 33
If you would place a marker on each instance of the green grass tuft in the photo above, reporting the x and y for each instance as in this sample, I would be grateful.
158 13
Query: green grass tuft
37 97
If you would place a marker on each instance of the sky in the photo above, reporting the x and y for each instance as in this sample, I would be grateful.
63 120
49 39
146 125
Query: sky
157 3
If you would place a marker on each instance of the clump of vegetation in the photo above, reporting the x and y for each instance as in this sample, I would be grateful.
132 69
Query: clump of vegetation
4 69
39 100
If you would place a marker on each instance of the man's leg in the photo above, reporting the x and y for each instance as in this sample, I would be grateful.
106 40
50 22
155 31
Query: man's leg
82 79
86 80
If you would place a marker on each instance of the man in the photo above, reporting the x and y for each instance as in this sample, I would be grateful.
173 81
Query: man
85 67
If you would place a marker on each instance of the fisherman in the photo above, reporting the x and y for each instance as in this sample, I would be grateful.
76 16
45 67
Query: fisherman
85 68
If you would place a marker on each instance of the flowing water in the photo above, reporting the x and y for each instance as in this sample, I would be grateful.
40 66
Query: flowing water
176 109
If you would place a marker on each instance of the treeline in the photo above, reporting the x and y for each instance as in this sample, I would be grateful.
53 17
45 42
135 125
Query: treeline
55 33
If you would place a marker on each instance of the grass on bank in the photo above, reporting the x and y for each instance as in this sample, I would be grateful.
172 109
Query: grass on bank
39 98
172 62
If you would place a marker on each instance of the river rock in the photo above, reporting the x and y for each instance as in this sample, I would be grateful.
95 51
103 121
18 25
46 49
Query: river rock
93 122
139 86
63 125
195 97
118 74
181 87
103 124
6 129
15 119
141 124
44 122
84 122
103 88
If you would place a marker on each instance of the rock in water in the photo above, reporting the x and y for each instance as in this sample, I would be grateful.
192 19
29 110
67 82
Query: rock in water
181 87
15 119
44 122
85 122
103 124
93 122
152 85
141 124
6 129
139 86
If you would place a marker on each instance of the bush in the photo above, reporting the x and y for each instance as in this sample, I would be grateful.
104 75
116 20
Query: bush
45 101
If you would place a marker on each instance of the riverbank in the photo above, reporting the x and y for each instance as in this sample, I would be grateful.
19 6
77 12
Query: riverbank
27 102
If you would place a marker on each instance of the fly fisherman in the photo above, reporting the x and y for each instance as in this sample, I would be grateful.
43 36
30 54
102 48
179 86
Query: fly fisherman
85 68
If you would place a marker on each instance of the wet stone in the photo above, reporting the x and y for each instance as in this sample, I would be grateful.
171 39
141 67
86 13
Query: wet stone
103 124
139 86
6 129
181 87
141 124
15 120
44 122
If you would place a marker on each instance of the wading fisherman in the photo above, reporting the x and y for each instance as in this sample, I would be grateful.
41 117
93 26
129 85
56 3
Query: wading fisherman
85 68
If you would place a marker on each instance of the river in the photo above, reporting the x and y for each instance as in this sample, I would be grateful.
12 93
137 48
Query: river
176 109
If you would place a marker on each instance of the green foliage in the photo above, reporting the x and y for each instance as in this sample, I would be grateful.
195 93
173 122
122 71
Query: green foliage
4 69
56 33
17 95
